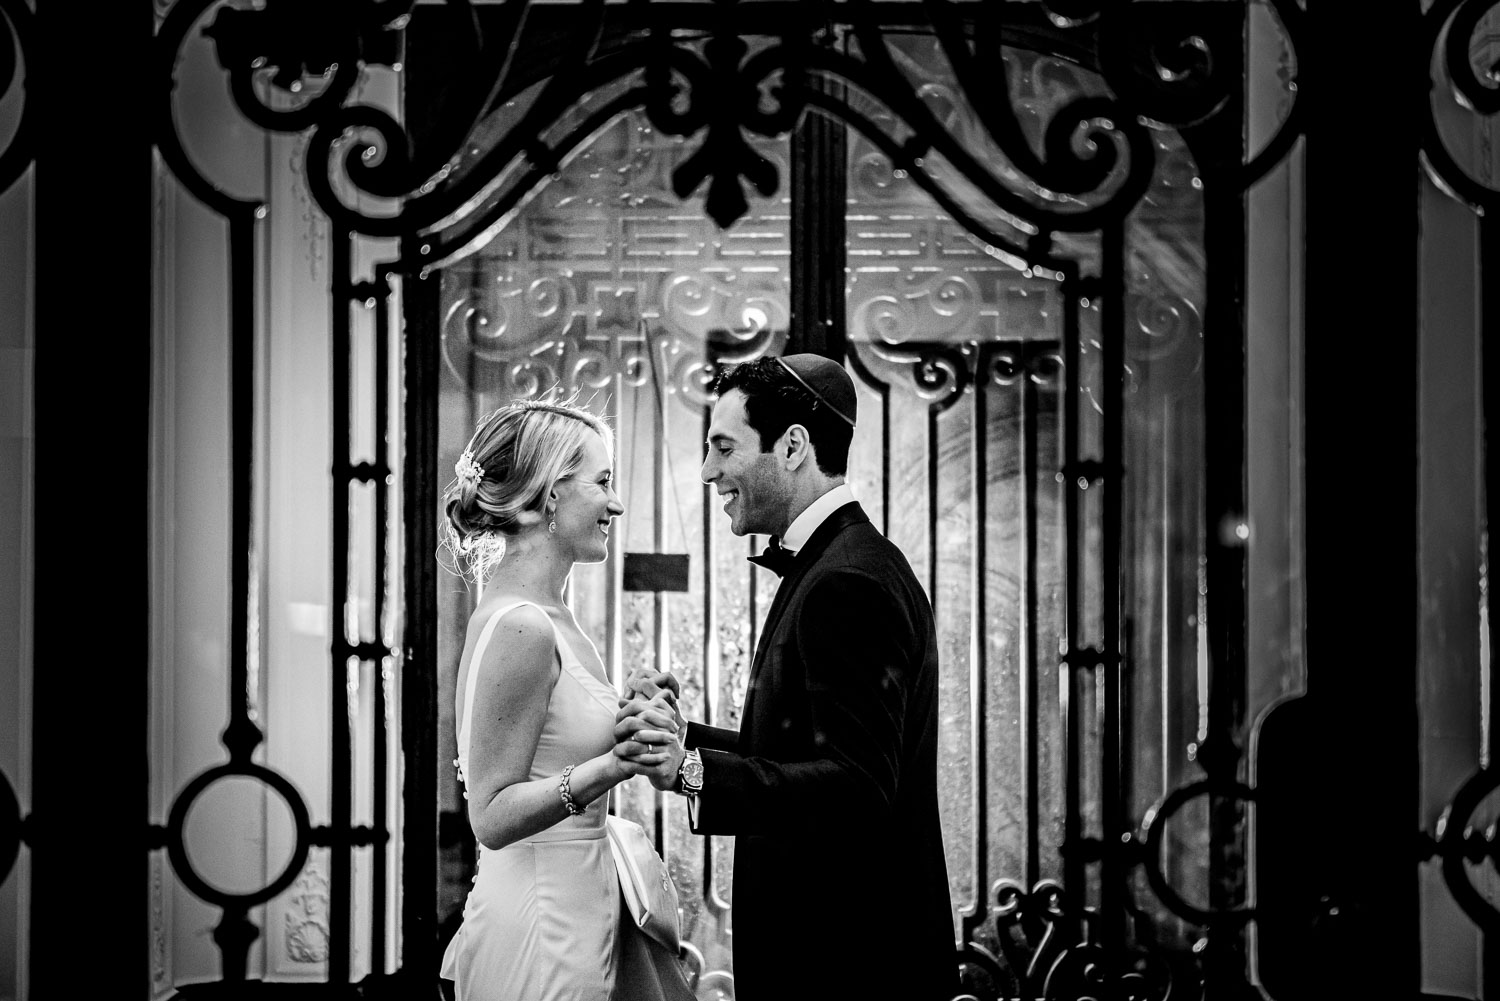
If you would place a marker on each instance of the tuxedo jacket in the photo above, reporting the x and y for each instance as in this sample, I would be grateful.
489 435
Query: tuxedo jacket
830 785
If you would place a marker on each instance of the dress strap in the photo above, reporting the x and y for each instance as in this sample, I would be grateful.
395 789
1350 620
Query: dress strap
474 658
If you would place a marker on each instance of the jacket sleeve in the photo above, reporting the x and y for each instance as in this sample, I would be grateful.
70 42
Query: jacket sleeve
860 657
703 736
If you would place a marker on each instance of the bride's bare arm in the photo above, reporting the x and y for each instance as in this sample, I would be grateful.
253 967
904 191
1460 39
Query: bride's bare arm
511 693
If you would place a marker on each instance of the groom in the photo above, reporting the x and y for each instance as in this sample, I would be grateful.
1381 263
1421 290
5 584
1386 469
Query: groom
830 785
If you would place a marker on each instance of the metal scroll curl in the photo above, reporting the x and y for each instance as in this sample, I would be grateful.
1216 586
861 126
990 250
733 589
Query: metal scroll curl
1480 93
1048 950
1152 838
935 372
1459 19
1063 168
719 89
547 335
939 372
17 36
1458 845
1085 140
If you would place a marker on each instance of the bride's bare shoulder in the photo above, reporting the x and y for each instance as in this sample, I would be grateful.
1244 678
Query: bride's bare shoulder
520 616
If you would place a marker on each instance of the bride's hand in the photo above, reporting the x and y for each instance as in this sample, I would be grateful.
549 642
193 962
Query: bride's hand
648 739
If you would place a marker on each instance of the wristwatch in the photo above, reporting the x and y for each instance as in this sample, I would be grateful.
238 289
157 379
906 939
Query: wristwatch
690 773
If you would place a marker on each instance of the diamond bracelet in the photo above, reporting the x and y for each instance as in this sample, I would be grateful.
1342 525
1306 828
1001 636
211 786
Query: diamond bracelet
564 789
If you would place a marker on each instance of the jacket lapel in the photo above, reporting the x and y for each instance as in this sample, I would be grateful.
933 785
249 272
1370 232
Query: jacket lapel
807 556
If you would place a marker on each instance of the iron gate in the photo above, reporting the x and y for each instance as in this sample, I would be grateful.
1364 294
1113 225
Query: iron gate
1050 192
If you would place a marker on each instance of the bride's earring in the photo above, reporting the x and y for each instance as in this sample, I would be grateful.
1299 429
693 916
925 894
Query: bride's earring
551 527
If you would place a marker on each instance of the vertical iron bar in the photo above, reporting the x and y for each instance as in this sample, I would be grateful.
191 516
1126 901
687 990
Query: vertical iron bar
421 343
1489 332
932 509
1224 487
1362 576
1028 653
660 469
885 461
242 735
614 603
1113 872
819 184
712 899
978 650
862 375
340 752
382 485
235 932
1169 621
91 431
1073 862
234 935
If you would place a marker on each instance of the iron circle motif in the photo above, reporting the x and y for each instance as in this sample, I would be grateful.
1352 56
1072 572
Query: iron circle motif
10 827
177 849
1452 828
1154 824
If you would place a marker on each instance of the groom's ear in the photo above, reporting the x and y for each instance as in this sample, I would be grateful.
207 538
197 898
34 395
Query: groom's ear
795 446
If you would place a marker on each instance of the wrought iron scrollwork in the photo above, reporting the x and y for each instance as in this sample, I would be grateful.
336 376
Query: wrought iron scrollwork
1448 45
528 341
723 96
1064 169
443 199
18 35
1458 845
1051 950
1480 93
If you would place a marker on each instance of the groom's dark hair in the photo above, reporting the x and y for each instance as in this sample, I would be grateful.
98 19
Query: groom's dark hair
774 401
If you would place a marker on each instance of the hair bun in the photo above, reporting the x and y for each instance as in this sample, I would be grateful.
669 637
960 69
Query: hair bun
502 478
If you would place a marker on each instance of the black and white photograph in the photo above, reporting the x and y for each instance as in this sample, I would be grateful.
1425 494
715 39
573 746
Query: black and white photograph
749 500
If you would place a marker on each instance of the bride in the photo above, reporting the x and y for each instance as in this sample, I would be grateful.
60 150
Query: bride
546 918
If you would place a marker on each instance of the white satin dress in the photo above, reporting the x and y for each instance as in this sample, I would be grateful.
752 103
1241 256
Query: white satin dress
543 919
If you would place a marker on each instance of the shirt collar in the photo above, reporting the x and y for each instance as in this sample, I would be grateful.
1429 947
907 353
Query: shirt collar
806 523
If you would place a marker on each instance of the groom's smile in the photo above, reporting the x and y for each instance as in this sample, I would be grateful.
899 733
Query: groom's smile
747 479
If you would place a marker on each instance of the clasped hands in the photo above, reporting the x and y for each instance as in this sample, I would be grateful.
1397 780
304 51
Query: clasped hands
649 729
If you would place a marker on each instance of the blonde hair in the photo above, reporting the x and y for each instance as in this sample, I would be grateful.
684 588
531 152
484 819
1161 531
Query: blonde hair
523 448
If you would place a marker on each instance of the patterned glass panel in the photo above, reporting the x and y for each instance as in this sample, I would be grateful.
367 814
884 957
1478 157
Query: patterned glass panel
959 355
608 287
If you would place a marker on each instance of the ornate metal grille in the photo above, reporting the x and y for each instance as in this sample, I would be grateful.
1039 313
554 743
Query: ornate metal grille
1461 66
1065 427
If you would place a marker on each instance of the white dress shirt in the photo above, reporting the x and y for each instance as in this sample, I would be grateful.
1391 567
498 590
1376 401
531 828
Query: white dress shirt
806 523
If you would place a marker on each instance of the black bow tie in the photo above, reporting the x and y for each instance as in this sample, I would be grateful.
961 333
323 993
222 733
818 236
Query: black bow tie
776 558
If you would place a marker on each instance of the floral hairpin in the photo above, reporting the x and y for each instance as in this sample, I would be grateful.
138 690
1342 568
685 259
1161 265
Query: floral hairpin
469 472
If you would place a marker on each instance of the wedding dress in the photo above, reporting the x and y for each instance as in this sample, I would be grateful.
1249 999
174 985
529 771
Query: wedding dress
543 919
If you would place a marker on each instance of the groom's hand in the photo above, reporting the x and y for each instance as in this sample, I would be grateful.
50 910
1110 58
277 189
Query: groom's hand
648 740
649 685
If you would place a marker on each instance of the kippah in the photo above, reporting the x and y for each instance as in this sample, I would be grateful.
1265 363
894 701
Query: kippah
826 380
